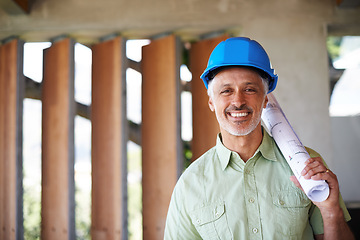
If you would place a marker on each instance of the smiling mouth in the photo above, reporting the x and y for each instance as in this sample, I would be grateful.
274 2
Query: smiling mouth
237 114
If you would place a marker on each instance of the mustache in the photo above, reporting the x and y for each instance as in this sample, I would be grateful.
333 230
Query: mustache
239 108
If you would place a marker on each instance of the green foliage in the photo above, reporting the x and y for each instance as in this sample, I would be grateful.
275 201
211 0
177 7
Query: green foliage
187 155
32 218
134 195
83 215
333 46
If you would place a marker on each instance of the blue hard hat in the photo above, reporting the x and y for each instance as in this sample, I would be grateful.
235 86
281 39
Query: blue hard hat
239 51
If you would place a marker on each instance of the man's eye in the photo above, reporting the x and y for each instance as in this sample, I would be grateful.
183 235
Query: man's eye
225 91
250 90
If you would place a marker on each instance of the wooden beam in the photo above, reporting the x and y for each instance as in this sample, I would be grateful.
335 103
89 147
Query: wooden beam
24 5
33 91
134 65
109 140
16 7
11 104
161 141
205 126
57 202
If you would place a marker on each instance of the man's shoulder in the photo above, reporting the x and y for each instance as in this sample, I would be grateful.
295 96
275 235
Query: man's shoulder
312 152
203 161
197 170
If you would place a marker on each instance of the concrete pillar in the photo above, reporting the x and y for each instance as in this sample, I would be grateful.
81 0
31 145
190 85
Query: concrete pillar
109 139
205 125
161 141
57 202
11 102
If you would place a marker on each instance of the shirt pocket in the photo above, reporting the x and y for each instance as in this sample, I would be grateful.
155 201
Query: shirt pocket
211 221
291 210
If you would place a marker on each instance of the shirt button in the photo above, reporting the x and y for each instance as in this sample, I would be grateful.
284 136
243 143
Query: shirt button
251 200
255 230
198 221
281 202
247 171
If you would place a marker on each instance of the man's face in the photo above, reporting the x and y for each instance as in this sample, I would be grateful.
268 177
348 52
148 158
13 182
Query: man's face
238 97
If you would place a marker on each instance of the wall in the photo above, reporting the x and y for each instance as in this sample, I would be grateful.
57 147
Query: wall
346 164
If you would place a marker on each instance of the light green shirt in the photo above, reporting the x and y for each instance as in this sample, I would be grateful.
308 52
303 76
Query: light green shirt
219 196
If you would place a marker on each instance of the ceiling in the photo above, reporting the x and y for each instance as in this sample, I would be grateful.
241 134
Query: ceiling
89 20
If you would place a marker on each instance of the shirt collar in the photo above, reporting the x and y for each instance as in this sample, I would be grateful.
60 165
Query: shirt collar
266 149
222 152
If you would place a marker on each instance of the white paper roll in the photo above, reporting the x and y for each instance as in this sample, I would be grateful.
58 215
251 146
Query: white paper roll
292 149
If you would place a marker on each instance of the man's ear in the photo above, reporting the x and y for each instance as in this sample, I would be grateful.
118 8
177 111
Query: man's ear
266 101
211 104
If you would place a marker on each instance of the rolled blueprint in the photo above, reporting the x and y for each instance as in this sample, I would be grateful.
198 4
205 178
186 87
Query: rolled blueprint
292 149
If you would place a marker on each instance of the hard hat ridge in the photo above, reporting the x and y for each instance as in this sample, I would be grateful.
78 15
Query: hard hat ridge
239 51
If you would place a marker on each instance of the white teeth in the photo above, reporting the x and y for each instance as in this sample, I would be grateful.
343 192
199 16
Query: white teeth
239 114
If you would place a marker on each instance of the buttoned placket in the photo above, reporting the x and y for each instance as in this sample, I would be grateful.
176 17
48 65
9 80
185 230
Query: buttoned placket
252 205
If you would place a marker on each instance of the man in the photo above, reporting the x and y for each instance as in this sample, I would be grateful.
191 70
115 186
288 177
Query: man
243 188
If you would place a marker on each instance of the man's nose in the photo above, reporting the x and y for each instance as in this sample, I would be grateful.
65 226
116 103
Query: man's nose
238 99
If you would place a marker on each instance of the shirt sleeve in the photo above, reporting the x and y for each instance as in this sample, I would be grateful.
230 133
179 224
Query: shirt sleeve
178 222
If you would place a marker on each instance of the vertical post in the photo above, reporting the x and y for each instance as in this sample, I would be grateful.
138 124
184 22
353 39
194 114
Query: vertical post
58 105
205 126
11 105
109 140
161 140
